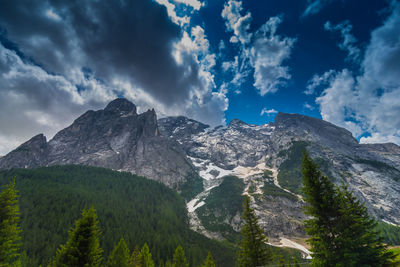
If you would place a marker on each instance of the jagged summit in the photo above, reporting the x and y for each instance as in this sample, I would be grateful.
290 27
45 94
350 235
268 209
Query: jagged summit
178 150
236 123
121 105
115 137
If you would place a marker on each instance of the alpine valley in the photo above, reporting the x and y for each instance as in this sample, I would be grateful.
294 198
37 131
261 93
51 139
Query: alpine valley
213 168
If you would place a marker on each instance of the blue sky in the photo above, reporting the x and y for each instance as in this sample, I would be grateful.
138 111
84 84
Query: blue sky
213 61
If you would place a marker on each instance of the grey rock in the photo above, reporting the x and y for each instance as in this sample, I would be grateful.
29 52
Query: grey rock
372 171
117 138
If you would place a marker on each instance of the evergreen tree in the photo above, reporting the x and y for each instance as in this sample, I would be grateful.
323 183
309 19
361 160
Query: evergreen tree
209 262
9 228
136 258
341 230
168 264
83 245
179 259
119 257
147 261
253 249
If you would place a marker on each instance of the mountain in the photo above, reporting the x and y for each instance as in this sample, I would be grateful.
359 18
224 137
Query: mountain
214 167
117 138
267 158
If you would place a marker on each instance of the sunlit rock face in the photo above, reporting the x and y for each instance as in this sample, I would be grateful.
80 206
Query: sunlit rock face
117 138
372 172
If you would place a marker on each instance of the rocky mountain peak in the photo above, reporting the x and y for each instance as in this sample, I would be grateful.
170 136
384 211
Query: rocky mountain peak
327 132
149 123
180 126
121 105
29 154
236 123
115 137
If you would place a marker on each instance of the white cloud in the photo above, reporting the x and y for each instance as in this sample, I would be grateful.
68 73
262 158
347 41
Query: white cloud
52 15
33 101
336 102
96 66
268 53
318 80
237 23
268 111
172 13
348 40
308 106
315 6
262 52
204 103
193 3
370 102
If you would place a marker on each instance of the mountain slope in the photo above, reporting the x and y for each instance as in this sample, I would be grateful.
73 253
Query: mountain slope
117 138
194 158
248 151
138 209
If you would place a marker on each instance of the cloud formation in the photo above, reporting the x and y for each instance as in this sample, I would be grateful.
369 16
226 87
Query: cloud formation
268 111
369 102
263 51
315 6
86 53
348 40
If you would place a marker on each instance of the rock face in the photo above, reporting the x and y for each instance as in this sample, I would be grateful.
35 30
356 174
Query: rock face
117 138
178 150
372 172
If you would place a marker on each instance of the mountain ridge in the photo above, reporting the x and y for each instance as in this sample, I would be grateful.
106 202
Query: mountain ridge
193 158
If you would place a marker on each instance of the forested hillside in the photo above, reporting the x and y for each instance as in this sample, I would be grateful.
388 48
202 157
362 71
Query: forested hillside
138 209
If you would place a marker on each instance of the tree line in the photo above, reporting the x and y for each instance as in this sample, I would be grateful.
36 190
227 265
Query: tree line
341 233
135 208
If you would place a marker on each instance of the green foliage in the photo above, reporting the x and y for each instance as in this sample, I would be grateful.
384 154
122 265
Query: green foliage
9 228
252 188
224 201
389 233
209 262
192 187
147 260
396 252
253 249
136 208
119 257
136 258
272 190
179 259
83 245
341 230
268 174
289 175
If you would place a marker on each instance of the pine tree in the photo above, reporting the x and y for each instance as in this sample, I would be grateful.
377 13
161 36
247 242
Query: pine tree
168 264
341 230
119 257
147 261
83 245
209 262
136 258
9 228
179 259
253 249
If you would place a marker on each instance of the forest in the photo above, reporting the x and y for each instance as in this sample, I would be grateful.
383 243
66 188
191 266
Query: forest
135 208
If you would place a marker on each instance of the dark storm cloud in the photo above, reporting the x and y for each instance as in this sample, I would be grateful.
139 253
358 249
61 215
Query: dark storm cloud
126 40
